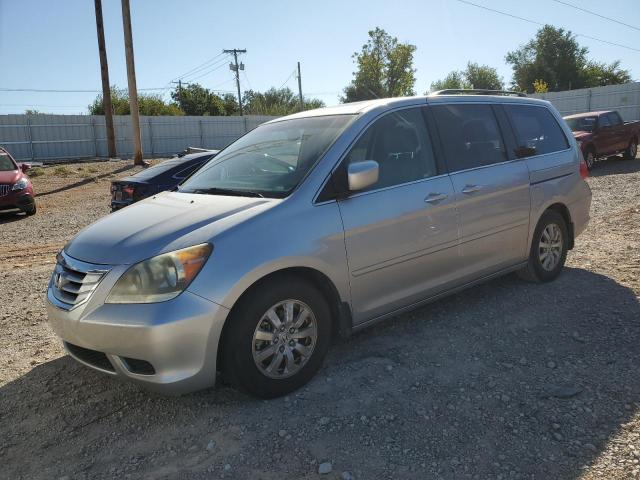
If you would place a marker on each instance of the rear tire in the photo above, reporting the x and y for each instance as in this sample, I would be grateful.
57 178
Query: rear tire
590 158
548 249
267 359
632 150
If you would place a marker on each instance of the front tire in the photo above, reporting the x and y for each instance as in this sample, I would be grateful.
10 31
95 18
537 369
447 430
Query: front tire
277 338
632 150
548 249
30 210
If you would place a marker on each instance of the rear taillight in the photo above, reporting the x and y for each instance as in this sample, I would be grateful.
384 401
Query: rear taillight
584 171
128 191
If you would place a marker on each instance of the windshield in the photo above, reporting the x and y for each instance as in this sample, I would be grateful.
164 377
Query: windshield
582 124
269 161
6 164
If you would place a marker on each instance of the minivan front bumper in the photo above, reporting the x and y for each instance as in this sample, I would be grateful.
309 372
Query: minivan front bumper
170 347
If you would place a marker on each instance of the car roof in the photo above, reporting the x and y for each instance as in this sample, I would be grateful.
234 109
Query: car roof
168 165
589 114
383 104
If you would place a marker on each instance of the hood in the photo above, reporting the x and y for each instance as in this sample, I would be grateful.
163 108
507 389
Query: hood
582 135
12 176
166 222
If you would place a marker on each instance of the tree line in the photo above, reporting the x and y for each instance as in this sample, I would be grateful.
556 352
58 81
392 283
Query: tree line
551 61
194 99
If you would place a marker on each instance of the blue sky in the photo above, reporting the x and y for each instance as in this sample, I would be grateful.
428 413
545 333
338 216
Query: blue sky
46 44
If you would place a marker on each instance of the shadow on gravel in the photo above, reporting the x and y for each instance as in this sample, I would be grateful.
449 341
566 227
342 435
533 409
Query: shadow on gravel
615 166
505 380
85 181
8 217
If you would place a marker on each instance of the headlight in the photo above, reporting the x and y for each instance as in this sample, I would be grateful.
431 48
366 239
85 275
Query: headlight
160 278
20 184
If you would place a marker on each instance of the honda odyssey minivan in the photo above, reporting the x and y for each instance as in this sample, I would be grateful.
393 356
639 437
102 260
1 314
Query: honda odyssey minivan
315 225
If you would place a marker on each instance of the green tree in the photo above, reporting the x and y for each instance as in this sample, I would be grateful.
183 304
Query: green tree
556 57
474 76
384 69
454 80
194 99
483 77
148 104
600 74
230 103
276 102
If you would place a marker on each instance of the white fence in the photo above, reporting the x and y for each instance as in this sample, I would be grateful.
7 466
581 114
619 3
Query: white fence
44 138
624 98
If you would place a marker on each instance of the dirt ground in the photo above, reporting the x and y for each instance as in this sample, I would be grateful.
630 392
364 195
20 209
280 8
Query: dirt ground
505 380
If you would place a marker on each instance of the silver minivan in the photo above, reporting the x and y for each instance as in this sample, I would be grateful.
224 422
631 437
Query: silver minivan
316 225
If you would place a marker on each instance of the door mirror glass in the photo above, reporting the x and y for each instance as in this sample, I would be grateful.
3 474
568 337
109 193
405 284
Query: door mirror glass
25 166
362 174
524 152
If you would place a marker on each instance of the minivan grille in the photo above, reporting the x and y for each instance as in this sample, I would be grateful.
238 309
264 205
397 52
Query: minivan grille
4 190
73 282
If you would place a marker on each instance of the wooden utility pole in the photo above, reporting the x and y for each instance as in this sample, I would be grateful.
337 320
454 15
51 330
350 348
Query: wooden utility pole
300 88
106 89
133 90
236 68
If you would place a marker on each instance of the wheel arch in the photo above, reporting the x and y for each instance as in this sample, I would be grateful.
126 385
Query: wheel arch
341 319
563 210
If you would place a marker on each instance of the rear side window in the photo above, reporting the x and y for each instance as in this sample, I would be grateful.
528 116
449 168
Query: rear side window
536 127
614 119
470 136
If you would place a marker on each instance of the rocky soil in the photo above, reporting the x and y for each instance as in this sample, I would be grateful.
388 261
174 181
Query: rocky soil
505 380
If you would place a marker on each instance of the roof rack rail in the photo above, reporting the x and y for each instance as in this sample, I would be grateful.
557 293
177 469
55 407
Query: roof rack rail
477 91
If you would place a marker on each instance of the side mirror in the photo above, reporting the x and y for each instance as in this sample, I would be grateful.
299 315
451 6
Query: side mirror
25 166
362 174
524 152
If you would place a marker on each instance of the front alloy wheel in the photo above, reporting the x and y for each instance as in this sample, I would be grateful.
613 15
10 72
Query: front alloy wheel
284 339
276 337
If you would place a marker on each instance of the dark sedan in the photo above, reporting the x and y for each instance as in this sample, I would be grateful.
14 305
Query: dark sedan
161 177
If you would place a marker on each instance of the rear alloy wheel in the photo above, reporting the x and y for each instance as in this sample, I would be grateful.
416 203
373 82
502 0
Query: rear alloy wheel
276 338
548 250
632 150
590 159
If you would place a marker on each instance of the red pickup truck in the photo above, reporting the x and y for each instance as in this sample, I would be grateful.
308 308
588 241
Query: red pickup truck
602 134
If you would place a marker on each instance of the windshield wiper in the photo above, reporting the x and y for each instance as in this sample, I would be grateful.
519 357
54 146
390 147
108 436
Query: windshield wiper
224 191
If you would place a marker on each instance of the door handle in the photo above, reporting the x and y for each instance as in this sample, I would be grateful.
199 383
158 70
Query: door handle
435 197
471 188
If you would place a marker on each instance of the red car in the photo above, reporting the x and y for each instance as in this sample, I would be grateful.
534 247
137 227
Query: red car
603 134
16 191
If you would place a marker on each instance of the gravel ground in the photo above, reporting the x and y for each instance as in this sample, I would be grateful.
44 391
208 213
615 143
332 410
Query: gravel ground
506 380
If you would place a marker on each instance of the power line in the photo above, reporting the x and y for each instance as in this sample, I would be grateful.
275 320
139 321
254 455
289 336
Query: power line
596 14
217 67
288 78
209 68
203 64
46 90
543 24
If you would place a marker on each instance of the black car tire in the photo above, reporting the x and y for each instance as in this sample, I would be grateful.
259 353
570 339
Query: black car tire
30 210
238 350
535 271
632 150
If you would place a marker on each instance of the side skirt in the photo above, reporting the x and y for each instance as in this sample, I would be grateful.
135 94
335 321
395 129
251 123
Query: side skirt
433 298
